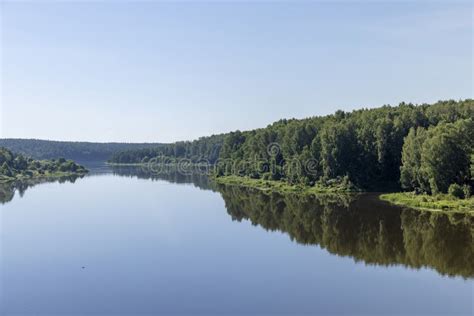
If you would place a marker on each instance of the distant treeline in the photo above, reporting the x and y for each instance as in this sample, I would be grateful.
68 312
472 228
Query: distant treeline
364 147
207 148
81 151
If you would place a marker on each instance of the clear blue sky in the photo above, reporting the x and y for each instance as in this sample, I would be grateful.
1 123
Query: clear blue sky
164 71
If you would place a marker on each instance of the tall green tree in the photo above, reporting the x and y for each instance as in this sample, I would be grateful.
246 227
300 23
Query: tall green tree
411 176
445 157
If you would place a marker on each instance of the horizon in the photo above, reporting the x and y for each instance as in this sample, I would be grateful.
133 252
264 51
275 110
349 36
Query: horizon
225 132
166 72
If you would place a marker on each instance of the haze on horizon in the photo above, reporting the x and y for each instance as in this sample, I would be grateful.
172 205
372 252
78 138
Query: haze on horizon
161 71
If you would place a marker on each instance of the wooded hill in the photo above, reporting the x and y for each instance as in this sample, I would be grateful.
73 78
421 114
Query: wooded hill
429 145
79 151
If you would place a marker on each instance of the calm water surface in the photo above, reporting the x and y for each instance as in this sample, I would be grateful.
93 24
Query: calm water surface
120 241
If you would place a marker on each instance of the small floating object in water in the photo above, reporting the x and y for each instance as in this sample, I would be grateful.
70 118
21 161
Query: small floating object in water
83 267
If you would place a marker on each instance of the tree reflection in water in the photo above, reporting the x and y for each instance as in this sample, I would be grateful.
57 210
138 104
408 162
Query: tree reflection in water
362 227
358 226
8 190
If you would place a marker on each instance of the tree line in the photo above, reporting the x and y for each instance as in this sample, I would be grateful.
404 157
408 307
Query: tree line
205 148
79 151
368 148
439 158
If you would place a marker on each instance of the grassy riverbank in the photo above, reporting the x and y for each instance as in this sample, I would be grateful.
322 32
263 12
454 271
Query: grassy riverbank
283 187
439 202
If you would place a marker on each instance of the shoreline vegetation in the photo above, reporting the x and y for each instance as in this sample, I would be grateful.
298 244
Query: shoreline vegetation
340 186
445 203
16 167
435 203
423 202
426 148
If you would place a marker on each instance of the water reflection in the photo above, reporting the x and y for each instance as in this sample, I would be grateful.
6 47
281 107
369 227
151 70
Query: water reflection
357 226
200 181
8 190
363 228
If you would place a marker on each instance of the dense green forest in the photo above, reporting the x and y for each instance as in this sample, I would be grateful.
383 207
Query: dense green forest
426 147
78 151
435 158
18 167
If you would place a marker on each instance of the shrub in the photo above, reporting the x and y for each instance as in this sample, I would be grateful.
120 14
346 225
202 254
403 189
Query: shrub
456 190
467 191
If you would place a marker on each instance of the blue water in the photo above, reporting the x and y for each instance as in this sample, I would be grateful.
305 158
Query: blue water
110 244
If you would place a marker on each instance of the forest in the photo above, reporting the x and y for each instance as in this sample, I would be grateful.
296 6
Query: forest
78 151
18 167
426 148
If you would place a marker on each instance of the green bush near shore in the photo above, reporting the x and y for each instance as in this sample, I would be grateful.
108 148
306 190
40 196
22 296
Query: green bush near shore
438 202
284 187
16 167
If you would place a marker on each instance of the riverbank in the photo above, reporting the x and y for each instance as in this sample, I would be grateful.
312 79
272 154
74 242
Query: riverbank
438 203
283 187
